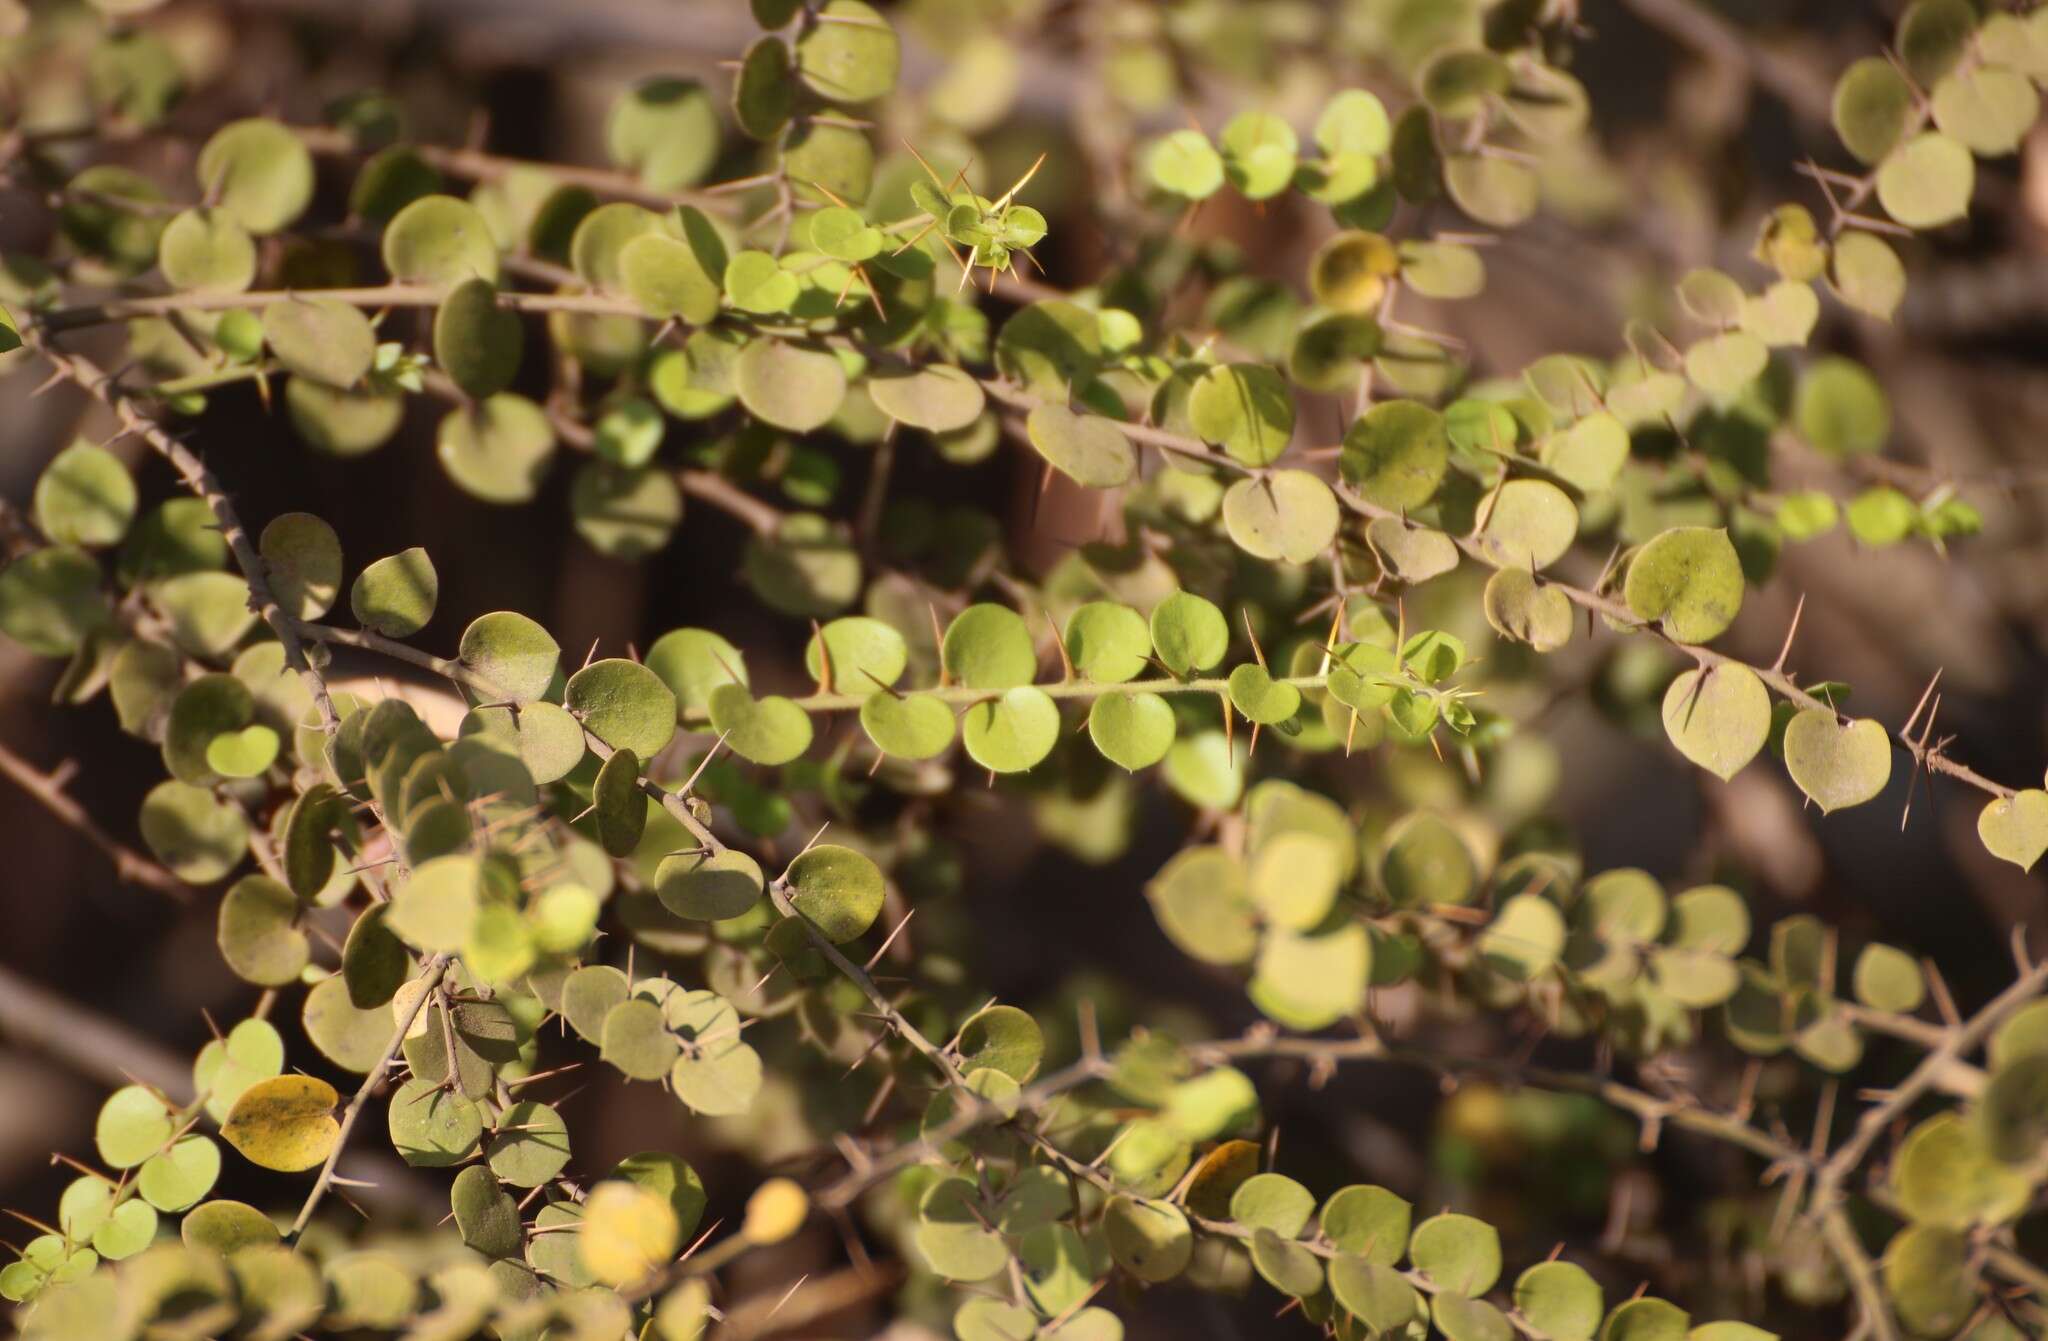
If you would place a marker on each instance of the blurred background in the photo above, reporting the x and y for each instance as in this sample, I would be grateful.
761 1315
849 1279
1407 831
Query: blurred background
1700 114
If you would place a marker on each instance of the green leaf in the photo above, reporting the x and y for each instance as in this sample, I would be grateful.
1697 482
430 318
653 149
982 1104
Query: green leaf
207 251
257 932
756 282
1841 409
1889 979
1867 275
2015 828
1718 717
623 704
1927 181
477 342
1525 939
850 55
771 730
789 386
937 399
1189 633
1946 1175
1872 105
621 809
1149 1239
510 653
1837 764
85 496
1375 1294
198 836
1108 642
665 130
1132 730
1646 1320
912 726
1202 899
764 94
184 1172
952 1233
1590 454
258 173
837 889
1723 365
1881 516
1005 1039
1287 515
1311 982
396 595
440 240
436 908
636 1041
302 559
133 1124
1688 580
989 647
1529 524
1457 1252
242 754
1013 732
1425 861
717 1075
1246 409
321 338
1412 554
1186 164
1520 609
1086 448
1498 192
1560 1300
1262 699
1259 154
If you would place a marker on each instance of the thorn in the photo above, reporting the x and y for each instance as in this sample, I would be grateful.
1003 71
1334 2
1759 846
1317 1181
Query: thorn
1022 182
703 764
883 949
937 180
1925 694
939 643
1066 663
1778 666
1944 1000
824 658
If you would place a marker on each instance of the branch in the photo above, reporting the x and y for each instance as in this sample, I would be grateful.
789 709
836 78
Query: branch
1707 33
436 966
1856 1265
129 865
375 296
89 1043
1962 1040
200 481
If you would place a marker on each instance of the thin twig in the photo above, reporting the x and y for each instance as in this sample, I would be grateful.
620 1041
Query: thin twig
130 865
436 966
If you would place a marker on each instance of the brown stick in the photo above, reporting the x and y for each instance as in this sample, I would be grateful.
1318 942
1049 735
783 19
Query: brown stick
130 865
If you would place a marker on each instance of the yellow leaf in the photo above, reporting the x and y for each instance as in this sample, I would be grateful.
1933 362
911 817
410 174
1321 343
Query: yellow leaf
284 1123
627 1232
775 1211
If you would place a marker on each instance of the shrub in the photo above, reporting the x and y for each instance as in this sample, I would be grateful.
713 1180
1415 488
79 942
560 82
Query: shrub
804 286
